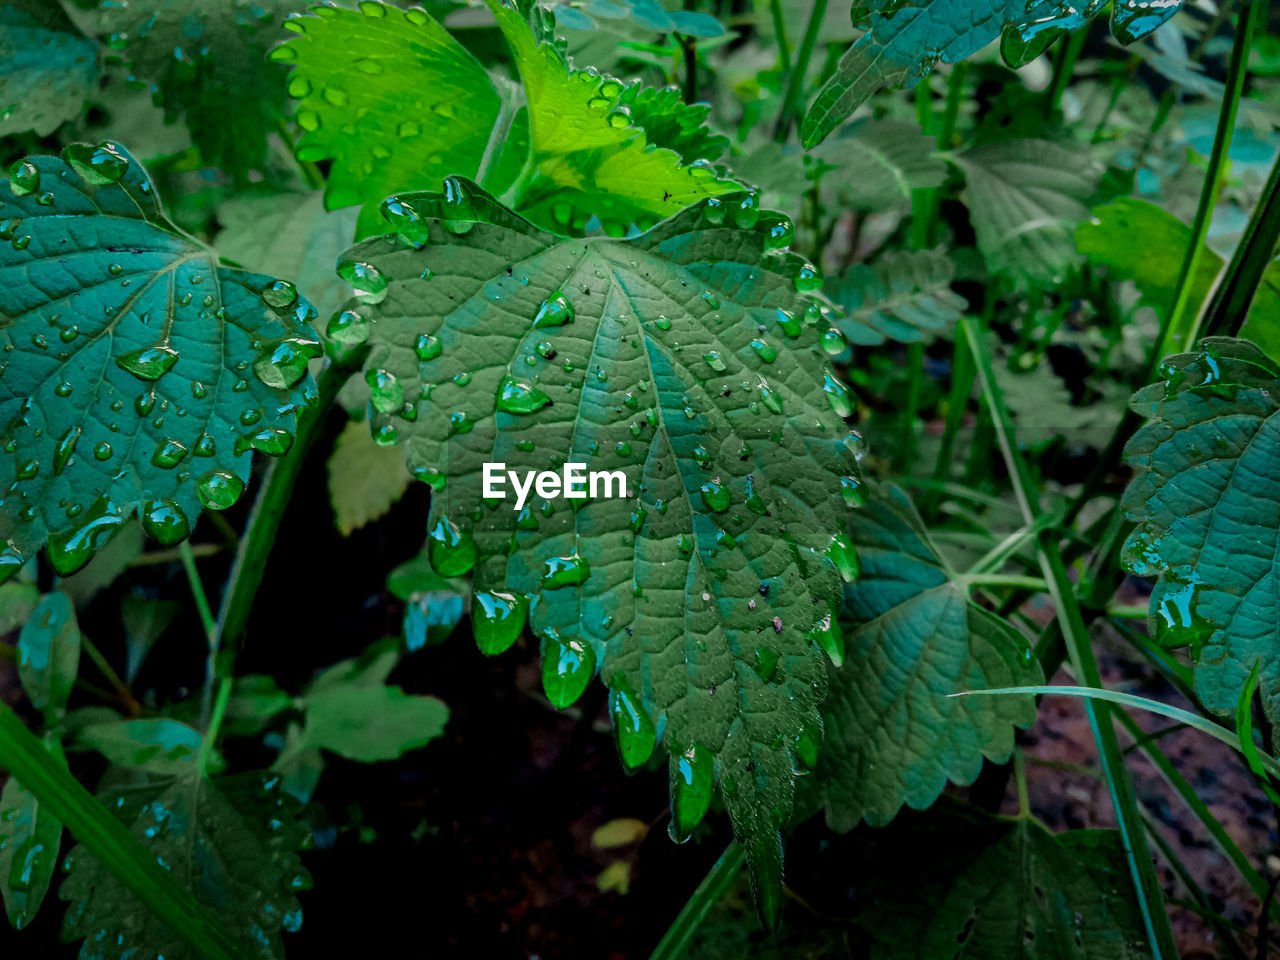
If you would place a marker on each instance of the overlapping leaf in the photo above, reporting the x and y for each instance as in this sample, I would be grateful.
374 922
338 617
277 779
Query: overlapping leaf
205 62
999 889
905 295
138 372
1206 498
879 164
902 42
233 843
1025 198
687 359
47 67
893 733
365 480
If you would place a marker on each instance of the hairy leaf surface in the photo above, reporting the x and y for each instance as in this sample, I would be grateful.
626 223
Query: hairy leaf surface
207 63
47 67
903 42
905 295
893 735
391 98
138 372
999 889
687 358
880 163
365 480
233 843
1025 198
1206 498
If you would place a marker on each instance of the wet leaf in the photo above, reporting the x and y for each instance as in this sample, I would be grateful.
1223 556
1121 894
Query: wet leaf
1206 498
902 43
29 840
686 359
232 841
893 735
905 295
47 68
49 655
142 373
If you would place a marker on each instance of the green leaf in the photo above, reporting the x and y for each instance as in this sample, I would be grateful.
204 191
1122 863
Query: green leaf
143 372
590 156
256 699
30 836
998 889
1204 495
371 723
207 64
893 733
365 480
905 295
433 605
47 68
17 600
289 235
233 842
880 162
1136 240
159 746
49 655
688 359
1025 198
391 98
669 122
902 43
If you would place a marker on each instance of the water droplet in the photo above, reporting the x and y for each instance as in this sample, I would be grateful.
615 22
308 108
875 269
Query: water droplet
71 549
219 489
148 363
715 496
764 350
567 667
516 396
845 557
854 494
497 619
64 449
714 361
692 773
572 570
164 522
282 293
555 311
168 454
283 363
451 550
98 165
24 178
368 282
808 279
427 347
385 390
633 729
838 395
778 231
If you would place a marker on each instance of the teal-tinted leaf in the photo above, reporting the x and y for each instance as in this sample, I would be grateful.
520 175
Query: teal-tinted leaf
688 360
159 746
299 766
17 600
365 479
208 64
29 839
47 67
433 605
1025 198
49 655
142 373
289 235
108 563
879 164
905 295
1206 498
695 23
999 889
391 98
232 842
903 42
371 723
893 733
144 620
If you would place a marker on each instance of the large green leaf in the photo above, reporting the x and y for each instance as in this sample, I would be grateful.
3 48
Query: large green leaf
47 67
893 732
233 843
138 372
371 723
999 889
1206 498
1025 198
29 840
207 63
391 98
688 358
903 41
905 295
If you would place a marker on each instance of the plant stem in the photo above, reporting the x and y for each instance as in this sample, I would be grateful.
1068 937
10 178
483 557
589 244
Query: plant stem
796 78
197 591
1229 304
1002 580
1175 332
104 667
780 34
215 725
26 760
1075 635
1020 778
690 46
1064 66
710 890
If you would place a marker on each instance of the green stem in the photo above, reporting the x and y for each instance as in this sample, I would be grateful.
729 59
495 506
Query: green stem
795 79
690 46
1176 332
104 667
1020 778
962 374
1079 651
780 34
214 726
1002 580
25 758
710 890
1229 304
1064 66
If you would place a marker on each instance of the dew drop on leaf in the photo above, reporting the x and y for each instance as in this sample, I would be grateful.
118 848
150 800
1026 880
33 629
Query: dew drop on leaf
497 619
219 489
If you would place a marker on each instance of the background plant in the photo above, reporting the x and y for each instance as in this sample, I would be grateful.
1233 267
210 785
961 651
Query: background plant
925 397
